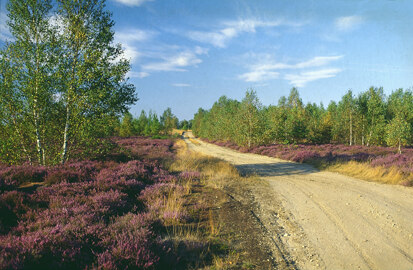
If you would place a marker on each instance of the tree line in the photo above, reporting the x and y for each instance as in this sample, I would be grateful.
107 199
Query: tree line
63 81
370 118
150 124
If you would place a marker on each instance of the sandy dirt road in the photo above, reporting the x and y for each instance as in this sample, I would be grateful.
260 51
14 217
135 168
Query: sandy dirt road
326 220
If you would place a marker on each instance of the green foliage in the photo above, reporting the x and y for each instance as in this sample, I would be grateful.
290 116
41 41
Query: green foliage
249 121
148 125
368 119
168 121
127 128
184 124
154 124
60 78
399 132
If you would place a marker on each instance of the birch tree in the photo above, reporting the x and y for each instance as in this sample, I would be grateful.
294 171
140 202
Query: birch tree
13 131
92 77
249 121
61 79
29 25
399 132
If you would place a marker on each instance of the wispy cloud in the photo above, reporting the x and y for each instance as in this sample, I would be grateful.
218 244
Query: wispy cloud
348 22
130 52
268 70
181 85
229 30
140 75
133 3
130 40
259 75
178 61
134 35
303 78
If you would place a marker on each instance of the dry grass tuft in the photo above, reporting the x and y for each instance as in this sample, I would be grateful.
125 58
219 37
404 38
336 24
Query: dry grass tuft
365 171
228 262
213 228
207 166
177 131
213 173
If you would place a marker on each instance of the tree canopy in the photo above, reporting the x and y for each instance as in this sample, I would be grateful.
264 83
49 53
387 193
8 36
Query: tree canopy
370 118
62 76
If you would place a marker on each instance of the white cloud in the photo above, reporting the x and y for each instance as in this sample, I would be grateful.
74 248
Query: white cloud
317 61
175 62
133 3
268 69
133 74
181 85
130 52
230 30
348 22
303 78
259 75
200 50
216 39
134 35
129 40
178 61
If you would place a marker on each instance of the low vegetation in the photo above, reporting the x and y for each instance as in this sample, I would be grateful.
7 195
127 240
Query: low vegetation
93 214
374 163
123 210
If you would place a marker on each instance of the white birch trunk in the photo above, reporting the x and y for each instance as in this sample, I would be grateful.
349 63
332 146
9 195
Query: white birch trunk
66 134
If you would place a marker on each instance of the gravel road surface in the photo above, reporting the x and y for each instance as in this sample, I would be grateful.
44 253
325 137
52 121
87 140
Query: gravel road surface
326 220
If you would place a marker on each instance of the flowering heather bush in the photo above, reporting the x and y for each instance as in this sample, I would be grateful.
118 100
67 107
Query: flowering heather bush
129 244
402 161
13 204
72 172
135 170
301 156
91 215
407 183
330 153
147 147
13 176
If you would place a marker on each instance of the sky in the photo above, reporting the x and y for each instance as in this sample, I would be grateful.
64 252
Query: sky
185 54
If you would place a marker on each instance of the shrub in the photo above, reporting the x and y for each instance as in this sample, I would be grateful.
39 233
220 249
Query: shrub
13 176
92 214
13 204
72 172
304 156
130 243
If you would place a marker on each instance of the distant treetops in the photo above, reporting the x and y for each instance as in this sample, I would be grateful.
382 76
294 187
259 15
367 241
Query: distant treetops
151 124
370 118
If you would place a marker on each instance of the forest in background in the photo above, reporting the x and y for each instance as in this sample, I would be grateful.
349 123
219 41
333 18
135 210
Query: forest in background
370 118
150 124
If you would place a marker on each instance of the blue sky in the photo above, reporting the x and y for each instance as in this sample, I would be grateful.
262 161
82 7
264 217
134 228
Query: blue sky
186 54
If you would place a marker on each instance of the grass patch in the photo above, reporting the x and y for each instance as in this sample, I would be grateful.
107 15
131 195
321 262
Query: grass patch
201 191
364 171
